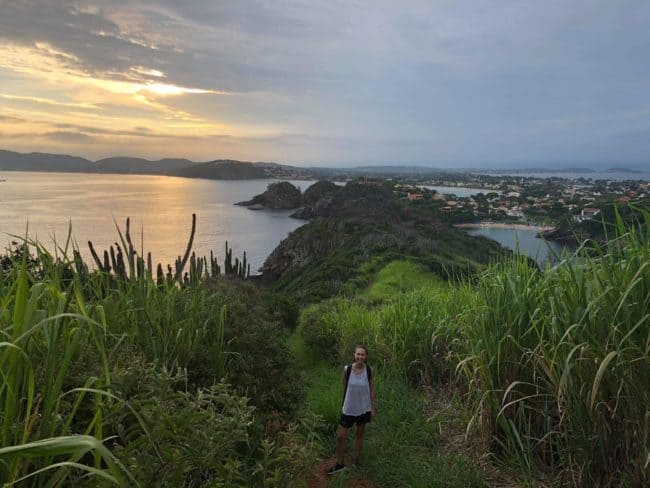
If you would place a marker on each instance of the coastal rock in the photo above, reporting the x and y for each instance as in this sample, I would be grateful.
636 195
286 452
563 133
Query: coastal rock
282 195
563 236
303 213
256 206
319 190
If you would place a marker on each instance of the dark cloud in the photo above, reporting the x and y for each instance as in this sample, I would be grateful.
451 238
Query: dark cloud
11 119
69 137
107 132
471 82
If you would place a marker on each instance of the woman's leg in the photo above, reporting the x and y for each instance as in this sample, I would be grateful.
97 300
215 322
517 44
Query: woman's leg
341 434
358 442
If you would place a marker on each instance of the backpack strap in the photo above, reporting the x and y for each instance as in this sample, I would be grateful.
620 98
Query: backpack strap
348 370
369 373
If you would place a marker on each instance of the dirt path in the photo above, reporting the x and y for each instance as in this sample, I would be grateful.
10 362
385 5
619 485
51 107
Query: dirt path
320 479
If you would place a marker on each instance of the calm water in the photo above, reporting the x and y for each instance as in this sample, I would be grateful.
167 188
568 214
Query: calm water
523 239
160 206
599 175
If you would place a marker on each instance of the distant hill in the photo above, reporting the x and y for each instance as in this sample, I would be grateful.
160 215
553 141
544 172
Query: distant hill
13 161
223 170
140 166
621 170
534 170
218 169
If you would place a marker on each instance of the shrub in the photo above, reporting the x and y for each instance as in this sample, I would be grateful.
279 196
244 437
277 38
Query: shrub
206 436
283 309
261 366
320 334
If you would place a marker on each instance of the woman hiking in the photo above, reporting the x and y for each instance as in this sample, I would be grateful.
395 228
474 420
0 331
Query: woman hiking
358 406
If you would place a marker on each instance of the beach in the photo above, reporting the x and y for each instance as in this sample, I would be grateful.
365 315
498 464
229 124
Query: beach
503 225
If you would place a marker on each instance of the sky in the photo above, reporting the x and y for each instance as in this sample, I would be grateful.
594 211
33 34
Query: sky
441 83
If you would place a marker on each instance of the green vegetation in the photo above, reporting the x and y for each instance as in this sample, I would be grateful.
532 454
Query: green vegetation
555 364
126 379
114 376
332 256
222 170
402 446
400 276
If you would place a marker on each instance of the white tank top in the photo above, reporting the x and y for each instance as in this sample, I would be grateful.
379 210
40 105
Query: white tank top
357 396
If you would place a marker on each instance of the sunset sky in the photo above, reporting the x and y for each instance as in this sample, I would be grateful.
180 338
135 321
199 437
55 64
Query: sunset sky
471 83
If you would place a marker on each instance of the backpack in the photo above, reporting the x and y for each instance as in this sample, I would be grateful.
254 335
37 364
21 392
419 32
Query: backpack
348 371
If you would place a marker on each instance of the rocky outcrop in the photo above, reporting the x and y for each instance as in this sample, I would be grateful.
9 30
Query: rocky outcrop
320 190
282 195
565 236
317 200
360 222
355 199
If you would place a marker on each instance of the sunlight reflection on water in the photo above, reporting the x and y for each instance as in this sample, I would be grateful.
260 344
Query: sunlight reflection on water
160 206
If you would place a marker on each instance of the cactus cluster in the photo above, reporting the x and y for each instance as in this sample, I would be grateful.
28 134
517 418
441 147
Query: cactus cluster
239 268
122 262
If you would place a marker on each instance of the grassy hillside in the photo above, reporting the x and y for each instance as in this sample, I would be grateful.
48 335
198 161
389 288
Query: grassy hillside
555 364
116 377
399 277
133 381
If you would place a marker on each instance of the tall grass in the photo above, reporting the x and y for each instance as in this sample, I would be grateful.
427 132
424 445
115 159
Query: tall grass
557 362
417 331
43 328
561 360
66 329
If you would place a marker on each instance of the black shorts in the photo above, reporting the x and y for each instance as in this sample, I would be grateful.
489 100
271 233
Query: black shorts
348 421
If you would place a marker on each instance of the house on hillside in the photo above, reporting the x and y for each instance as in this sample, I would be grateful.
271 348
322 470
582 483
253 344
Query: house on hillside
586 214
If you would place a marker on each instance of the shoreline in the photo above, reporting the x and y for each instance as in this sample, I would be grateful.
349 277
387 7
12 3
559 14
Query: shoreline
499 225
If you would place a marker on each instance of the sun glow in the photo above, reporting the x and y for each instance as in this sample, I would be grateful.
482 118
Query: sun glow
51 99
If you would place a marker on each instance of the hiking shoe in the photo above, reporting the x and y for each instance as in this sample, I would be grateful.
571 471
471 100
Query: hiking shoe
335 469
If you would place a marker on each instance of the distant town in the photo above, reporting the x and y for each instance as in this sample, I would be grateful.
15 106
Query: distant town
515 199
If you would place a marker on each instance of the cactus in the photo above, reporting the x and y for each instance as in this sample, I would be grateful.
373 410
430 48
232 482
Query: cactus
129 250
227 264
99 264
80 267
113 260
183 262
107 263
160 277
119 257
140 267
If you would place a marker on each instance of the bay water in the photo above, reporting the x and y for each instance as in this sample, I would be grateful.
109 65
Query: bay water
160 208
45 205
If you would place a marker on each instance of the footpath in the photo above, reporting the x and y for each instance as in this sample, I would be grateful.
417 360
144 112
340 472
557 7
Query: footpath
417 439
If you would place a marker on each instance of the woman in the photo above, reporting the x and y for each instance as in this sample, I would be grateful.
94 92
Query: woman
358 406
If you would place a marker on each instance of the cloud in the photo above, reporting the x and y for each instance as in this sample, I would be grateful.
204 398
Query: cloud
46 101
454 81
69 137
108 132
11 120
